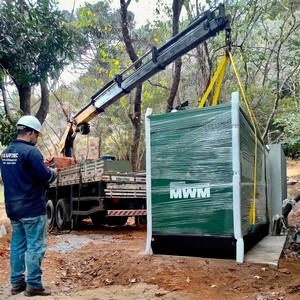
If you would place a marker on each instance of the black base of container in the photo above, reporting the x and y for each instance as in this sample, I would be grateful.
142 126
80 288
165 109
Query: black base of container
204 246
193 245
259 233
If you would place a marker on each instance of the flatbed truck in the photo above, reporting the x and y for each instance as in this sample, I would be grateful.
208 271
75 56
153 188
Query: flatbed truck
105 191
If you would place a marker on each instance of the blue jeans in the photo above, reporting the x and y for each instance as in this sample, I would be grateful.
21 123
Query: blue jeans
28 247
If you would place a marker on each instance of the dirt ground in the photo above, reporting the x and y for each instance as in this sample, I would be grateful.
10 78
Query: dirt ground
109 263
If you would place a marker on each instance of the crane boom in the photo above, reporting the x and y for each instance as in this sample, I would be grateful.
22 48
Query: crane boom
201 29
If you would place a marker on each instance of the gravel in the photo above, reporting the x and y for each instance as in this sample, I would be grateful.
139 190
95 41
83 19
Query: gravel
73 242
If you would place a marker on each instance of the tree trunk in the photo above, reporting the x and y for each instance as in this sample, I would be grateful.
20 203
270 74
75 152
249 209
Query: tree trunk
25 96
7 109
176 7
135 115
204 57
44 106
136 135
175 84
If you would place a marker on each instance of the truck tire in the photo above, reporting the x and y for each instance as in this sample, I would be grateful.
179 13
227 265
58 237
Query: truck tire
98 218
115 220
77 221
61 215
50 214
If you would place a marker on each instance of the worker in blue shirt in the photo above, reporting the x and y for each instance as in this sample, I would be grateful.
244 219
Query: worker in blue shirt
25 176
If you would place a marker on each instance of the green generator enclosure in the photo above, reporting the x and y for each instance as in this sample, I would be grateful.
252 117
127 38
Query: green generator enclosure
203 168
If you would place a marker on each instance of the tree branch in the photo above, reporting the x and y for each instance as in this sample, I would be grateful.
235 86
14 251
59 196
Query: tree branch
8 111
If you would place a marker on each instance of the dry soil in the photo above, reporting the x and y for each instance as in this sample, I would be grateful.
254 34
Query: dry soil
109 263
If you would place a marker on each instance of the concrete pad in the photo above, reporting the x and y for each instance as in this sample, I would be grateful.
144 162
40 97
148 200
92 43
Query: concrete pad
267 251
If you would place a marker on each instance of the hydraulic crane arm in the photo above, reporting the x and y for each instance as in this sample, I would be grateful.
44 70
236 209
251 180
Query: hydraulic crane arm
201 29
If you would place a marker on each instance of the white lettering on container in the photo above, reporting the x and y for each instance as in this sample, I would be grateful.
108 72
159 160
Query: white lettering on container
185 191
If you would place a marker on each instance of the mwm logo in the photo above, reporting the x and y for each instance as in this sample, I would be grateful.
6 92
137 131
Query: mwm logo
181 190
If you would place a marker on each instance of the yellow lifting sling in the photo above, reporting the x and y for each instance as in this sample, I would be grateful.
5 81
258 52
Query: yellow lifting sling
218 77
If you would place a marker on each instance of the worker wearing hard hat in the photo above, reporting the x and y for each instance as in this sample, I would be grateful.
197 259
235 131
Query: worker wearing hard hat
24 176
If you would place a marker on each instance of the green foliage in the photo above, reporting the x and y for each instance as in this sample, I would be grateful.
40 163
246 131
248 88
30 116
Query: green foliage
36 40
98 23
292 149
286 129
266 37
8 131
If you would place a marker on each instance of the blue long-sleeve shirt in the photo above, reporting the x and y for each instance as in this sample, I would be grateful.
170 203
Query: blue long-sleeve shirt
24 175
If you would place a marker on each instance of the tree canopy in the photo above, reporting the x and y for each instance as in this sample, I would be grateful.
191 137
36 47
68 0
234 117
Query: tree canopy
36 42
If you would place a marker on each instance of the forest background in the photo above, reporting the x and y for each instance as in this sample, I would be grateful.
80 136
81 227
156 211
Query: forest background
38 42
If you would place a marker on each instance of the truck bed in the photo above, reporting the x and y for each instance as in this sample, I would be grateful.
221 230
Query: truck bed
118 184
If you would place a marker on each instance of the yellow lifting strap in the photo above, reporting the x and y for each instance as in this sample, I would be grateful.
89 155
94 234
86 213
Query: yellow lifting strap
254 124
219 75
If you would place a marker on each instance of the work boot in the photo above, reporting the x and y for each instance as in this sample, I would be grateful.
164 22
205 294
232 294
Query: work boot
31 292
18 289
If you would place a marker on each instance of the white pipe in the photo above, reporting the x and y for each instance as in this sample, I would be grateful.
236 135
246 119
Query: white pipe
236 180
148 250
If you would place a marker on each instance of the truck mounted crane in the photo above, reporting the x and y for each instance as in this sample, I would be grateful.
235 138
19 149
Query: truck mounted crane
200 30
106 191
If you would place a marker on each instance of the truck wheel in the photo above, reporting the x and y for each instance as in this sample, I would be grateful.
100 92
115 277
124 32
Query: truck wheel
115 220
77 221
98 218
61 215
50 213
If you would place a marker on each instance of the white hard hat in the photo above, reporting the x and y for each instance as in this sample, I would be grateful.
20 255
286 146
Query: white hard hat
31 122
